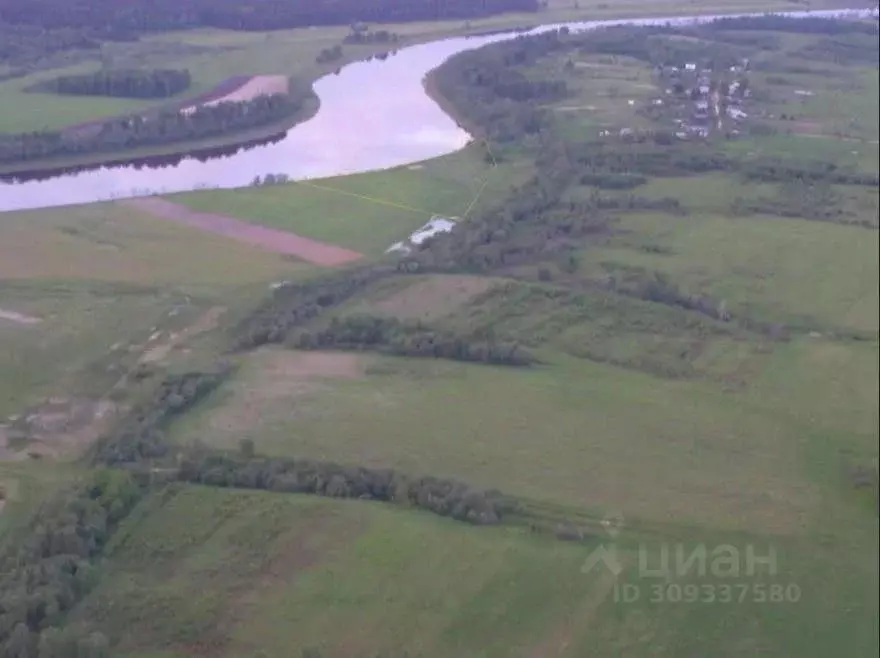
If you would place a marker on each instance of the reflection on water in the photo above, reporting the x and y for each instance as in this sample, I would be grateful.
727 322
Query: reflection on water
145 162
374 115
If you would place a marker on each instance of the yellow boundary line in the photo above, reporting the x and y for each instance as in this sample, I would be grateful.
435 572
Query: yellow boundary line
372 199
402 206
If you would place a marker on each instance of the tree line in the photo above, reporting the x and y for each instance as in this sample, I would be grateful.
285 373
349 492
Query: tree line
164 127
53 566
139 16
121 83
21 45
392 336
441 496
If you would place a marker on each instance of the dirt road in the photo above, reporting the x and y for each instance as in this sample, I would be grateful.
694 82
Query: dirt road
282 242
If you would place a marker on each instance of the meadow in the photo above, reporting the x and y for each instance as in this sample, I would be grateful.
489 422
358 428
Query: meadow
92 284
370 212
701 430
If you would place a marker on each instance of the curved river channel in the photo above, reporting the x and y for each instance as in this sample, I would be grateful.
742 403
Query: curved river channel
373 115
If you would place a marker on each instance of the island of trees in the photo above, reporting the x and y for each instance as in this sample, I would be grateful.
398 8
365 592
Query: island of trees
122 83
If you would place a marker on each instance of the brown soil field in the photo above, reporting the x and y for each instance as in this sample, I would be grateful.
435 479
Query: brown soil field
282 242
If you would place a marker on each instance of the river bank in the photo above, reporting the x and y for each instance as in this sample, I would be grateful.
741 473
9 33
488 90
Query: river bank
410 35
387 130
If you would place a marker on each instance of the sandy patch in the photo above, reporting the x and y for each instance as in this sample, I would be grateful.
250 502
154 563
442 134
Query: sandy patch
259 85
273 379
282 242
58 427
18 318
206 322
434 297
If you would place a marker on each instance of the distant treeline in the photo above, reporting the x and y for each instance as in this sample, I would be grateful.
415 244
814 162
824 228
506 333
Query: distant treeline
165 127
137 16
23 44
777 23
137 83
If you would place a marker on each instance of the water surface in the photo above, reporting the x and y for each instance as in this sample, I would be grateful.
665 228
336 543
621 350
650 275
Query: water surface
373 115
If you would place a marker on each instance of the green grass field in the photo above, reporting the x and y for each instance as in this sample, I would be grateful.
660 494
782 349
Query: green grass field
337 577
770 268
95 277
369 212
699 432
198 570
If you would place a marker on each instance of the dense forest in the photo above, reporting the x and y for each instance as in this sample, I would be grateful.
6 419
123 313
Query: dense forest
137 83
166 127
22 44
136 16
31 29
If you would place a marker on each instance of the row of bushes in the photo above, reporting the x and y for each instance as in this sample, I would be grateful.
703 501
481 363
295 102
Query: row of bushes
141 435
391 336
53 567
166 127
291 306
440 496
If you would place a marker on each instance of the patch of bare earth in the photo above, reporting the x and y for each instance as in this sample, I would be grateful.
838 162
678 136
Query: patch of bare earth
18 318
59 427
282 242
160 351
259 85
434 297
273 379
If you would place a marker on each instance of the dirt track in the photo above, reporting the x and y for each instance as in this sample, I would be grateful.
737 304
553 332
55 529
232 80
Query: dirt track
280 242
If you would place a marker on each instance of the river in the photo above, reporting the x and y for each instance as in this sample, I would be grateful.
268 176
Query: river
373 115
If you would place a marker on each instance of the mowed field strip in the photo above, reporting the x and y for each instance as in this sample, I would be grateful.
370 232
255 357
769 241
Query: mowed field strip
315 252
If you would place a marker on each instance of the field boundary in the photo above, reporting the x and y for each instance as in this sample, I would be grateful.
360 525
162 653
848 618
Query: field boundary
282 242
